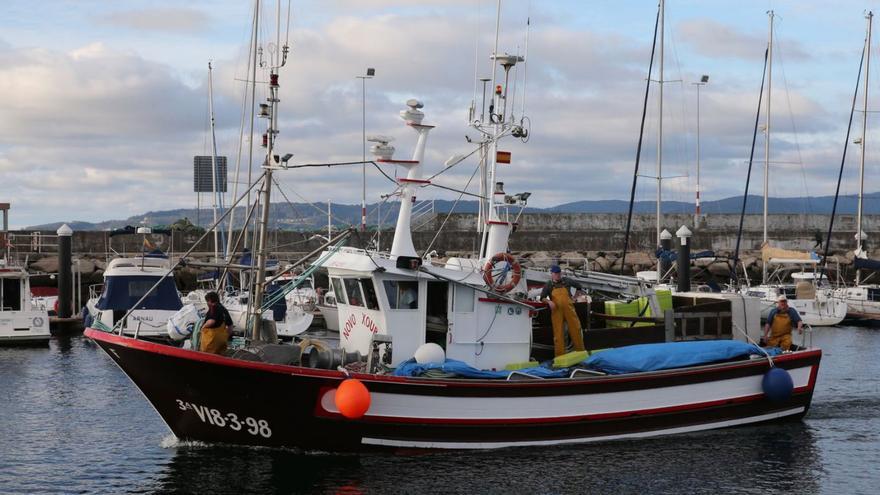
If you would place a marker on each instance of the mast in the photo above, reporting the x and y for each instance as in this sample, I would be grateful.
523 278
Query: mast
270 164
213 161
859 234
252 83
770 15
255 49
659 218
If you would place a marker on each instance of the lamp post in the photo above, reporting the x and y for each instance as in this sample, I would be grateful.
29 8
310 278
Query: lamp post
369 75
703 81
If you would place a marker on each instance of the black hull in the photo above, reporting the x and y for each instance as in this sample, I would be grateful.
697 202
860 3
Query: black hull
220 400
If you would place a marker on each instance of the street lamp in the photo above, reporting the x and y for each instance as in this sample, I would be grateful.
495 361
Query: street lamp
703 81
369 75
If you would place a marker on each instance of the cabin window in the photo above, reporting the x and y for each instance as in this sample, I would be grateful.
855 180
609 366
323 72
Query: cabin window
10 294
369 291
337 290
353 291
402 294
464 299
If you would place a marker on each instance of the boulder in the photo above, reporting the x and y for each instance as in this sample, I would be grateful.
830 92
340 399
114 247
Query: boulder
84 267
719 269
640 258
49 264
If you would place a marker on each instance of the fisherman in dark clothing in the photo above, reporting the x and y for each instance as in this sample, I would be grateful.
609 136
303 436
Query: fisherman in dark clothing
817 236
557 294
217 327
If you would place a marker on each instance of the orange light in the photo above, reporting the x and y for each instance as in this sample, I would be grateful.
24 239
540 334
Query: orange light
498 89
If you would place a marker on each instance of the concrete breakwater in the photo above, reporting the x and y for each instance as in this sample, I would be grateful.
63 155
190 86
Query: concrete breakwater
584 241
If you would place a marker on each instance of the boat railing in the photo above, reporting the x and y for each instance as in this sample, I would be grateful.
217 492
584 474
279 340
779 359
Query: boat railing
95 290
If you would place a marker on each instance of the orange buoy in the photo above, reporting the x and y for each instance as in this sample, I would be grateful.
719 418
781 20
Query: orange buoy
352 398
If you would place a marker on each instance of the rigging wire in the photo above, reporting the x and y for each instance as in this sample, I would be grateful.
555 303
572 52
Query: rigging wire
843 161
742 214
463 192
632 195
797 143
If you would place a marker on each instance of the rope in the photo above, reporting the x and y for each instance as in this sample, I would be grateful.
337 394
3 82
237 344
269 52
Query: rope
277 296
431 244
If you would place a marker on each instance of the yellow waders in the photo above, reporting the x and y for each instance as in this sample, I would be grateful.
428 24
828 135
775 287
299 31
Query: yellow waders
780 332
214 340
565 312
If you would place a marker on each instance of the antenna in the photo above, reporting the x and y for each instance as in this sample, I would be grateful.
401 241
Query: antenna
522 108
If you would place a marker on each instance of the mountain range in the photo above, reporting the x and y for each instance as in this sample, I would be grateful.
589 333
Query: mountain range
305 216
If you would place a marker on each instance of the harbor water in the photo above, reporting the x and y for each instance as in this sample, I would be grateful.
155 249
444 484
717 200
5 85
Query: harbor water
71 422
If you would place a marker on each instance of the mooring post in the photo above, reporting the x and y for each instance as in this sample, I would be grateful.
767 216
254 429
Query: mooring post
65 278
684 259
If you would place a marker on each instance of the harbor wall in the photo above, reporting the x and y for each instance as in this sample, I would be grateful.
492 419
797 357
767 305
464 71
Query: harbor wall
535 232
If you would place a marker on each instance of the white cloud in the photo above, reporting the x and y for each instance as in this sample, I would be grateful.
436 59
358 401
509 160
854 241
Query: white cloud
175 20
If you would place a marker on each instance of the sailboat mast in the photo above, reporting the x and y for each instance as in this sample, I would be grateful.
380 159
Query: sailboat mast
770 15
213 160
869 16
660 133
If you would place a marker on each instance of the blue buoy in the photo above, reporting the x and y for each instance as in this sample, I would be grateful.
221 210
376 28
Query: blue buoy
777 384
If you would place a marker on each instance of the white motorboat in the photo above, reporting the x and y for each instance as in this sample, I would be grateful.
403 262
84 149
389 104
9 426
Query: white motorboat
126 281
20 321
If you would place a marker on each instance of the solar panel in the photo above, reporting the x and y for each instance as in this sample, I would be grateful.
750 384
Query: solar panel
203 176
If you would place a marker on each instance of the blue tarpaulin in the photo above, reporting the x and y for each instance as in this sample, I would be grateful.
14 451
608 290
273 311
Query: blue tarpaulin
459 368
652 357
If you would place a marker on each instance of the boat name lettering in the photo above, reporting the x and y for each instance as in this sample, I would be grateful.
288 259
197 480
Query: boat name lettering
141 318
349 325
368 322
229 420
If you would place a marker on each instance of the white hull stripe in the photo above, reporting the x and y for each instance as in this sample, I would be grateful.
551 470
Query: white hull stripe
642 434
387 405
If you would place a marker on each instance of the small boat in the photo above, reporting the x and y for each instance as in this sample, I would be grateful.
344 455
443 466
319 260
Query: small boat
21 323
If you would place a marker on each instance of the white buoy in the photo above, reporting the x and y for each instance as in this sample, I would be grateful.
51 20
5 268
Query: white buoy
430 353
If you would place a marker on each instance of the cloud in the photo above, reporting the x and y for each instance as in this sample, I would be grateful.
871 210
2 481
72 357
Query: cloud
714 39
169 20
123 128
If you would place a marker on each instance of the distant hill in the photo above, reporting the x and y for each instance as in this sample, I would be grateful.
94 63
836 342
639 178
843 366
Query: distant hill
304 216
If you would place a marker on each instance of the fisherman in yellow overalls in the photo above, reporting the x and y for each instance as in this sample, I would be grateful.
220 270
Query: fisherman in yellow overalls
215 330
557 294
777 330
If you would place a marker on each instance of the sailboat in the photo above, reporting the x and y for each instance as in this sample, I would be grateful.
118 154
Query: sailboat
795 274
863 299
480 391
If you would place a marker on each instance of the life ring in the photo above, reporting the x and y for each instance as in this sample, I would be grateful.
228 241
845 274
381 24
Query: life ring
513 266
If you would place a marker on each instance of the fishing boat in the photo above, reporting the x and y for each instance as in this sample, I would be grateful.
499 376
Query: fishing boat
20 321
394 384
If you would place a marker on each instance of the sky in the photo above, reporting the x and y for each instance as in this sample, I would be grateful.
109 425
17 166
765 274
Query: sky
103 104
